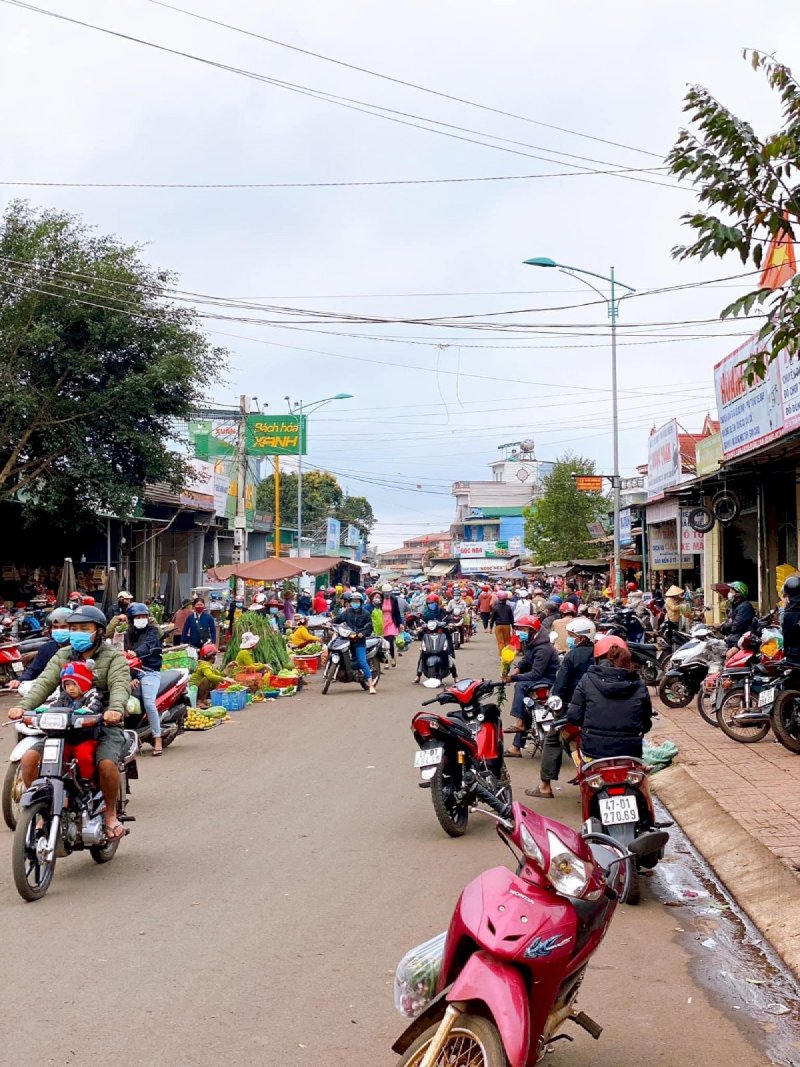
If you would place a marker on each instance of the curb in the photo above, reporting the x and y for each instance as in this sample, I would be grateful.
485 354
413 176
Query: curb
759 882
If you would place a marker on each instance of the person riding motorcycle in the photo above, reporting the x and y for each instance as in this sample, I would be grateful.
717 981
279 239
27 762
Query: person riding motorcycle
740 615
581 634
119 620
538 665
359 620
59 636
566 612
112 679
552 610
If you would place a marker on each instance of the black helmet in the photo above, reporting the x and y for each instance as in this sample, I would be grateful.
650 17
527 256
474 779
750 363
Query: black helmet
791 587
88 613
137 609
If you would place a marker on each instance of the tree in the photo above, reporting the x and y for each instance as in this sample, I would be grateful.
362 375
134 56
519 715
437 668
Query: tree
748 184
357 511
556 524
322 495
95 367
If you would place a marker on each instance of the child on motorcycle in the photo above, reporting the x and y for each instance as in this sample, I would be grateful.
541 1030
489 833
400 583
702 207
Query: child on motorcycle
78 693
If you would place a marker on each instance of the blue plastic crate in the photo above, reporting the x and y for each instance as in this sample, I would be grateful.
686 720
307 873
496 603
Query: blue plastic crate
223 698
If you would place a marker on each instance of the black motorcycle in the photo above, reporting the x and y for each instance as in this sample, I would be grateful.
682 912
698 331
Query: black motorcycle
648 658
435 660
341 664
62 812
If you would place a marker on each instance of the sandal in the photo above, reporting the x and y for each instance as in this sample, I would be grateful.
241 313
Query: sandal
114 832
513 755
538 793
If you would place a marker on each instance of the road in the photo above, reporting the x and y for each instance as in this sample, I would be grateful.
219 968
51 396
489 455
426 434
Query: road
279 867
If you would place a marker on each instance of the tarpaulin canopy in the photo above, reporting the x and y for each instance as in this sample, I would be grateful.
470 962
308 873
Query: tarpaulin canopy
273 569
441 570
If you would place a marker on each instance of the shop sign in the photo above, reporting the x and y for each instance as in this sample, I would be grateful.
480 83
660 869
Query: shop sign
663 511
199 485
664 549
333 533
352 536
481 549
708 454
596 530
275 435
625 527
663 460
589 483
692 542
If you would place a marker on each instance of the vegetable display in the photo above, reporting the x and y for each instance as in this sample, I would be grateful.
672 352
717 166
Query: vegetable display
271 647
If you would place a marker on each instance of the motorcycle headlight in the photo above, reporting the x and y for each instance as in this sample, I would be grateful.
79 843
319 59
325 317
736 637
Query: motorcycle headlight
529 846
568 874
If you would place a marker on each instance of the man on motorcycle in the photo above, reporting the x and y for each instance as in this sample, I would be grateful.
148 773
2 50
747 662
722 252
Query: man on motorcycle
59 636
112 679
538 665
566 613
359 619
740 615
791 621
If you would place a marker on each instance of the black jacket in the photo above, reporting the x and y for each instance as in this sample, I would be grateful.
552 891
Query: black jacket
791 632
740 620
304 604
359 620
502 614
573 667
39 662
539 662
146 644
613 709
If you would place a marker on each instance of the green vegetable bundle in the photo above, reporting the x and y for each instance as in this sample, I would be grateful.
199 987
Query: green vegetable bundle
271 647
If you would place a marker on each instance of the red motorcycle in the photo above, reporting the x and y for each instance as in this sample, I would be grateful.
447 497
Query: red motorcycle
172 703
460 751
10 664
498 988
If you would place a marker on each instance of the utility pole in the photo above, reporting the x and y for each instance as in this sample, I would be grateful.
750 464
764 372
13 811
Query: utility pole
277 523
613 309
240 520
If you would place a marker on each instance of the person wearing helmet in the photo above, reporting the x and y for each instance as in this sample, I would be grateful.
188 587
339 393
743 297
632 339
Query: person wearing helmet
538 665
112 680
59 637
359 619
566 611
791 621
75 599
119 620
304 602
205 676
143 640
391 619
579 658
502 619
200 627
611 704
740 614
277 619
523 606
433 610
572 597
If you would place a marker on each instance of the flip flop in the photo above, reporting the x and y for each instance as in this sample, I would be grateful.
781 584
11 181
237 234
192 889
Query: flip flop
537 793
158 752
513 755
114 833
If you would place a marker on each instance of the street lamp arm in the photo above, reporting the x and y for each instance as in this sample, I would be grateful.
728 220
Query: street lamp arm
570 271
593 274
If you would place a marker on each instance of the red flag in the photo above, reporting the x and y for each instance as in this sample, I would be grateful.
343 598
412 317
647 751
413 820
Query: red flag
780 264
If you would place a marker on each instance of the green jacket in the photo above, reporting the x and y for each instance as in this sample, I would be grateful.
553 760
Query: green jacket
112 678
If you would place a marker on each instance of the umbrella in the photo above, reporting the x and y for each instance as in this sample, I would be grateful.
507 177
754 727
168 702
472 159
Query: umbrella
172 590
110 603
67 583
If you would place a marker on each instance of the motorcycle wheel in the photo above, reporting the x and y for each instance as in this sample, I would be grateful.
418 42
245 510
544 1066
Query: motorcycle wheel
453 818
473 1042
634 894
32 875
786 720
330 670
12 791
104 853
674 692
707 713
733 703
651 673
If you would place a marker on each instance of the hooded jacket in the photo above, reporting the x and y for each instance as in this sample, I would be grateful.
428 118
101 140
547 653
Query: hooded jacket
740 620
573 667
791 632
612 707
539 662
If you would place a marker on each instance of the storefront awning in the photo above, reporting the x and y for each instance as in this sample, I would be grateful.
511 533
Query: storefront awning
441 570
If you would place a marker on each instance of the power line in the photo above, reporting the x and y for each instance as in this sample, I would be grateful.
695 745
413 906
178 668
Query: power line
400 81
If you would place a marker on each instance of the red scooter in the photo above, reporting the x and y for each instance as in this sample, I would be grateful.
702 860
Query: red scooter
10 664
498 988
171 702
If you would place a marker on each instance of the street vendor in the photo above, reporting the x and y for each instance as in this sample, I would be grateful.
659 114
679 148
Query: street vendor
301 636
245 657
205 676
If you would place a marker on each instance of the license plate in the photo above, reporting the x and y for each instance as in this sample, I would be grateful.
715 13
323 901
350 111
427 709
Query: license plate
618 809
17 667
428 757
766 698
542 714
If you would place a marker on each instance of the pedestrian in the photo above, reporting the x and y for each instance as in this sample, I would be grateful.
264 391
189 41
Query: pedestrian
523 605
502 620
199 628
485 606
392 619
142 638
288 606
304 603
319 605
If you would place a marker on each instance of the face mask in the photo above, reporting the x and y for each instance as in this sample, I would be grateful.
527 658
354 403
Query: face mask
200 609
731 597
570 642
273 611
140 623
522 634
62 636
81 641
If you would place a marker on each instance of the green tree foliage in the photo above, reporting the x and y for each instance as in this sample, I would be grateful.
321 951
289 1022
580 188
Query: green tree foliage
556 524
95 368
322 495
747 186
356 511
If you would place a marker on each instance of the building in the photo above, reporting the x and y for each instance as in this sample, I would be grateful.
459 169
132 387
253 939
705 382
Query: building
489 525
415 553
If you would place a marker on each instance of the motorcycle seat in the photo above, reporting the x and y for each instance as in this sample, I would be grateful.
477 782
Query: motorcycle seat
643 647
168 679
373 642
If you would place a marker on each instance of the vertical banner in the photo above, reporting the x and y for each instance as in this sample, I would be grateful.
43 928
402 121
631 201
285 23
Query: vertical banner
332 536
625 528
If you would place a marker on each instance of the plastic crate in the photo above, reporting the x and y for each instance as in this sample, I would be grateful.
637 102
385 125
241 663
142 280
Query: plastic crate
224 698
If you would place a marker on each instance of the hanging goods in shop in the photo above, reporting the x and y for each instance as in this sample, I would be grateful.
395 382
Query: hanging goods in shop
725 506
701 519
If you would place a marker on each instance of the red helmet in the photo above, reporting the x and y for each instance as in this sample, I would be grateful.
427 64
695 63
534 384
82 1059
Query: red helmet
432 598
502 594
208 649
631 587
87 601
568 608
530 622
602 647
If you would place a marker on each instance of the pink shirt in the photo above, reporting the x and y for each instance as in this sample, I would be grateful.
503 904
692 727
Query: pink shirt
389 627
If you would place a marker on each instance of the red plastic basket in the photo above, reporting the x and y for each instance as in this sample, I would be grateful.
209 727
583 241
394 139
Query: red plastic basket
283 683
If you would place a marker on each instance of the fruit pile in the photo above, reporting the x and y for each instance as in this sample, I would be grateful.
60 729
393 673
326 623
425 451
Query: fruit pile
205 718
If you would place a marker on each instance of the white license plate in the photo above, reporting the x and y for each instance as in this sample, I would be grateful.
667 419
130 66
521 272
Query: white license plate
428 757
17 667
542 714
766 697
618 809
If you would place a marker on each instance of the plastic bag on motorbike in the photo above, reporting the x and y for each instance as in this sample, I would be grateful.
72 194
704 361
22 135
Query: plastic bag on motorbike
417 976
659 756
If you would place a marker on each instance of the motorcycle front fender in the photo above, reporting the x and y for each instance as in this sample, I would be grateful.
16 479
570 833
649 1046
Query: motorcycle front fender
501 988
21 747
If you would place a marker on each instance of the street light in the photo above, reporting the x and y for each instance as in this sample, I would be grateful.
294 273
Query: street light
613 311
302 409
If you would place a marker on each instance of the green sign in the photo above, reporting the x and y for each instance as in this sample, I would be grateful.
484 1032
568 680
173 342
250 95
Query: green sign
275 435
210 444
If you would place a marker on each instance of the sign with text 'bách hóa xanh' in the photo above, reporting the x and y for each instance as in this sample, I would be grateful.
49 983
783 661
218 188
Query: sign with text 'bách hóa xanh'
275 435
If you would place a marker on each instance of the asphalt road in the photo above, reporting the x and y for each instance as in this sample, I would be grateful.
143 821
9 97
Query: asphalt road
280 866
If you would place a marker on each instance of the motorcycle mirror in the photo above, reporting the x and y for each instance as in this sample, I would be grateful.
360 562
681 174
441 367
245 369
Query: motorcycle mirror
431 683
647 843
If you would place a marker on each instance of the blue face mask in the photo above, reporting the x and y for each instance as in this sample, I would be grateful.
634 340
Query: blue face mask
570 642
523 635
80 641
273 611
62 636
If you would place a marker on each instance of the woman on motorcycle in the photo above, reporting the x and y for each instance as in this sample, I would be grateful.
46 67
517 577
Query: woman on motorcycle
143 639
611 704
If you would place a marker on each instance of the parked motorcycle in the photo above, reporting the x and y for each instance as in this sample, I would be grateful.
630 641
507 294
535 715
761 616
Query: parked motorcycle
341 665
435 663
647 658
753 667
61 812
688 668
11 664
543 710
172 703
461 752
499 987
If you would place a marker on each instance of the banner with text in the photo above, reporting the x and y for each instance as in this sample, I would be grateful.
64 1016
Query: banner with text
663 460
275 435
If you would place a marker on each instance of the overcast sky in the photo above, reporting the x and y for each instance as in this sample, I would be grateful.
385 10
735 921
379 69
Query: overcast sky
81 106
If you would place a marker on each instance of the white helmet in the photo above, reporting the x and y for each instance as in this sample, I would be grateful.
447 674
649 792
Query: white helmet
582 627
386 587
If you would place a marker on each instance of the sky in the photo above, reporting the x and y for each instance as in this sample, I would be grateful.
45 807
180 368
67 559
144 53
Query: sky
431 402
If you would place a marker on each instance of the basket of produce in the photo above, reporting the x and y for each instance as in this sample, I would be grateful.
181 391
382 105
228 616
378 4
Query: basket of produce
233 698
271 647
271 694
286 679
178 658
195 720
307 663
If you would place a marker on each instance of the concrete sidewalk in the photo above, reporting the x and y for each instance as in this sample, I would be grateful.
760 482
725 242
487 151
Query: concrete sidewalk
758 785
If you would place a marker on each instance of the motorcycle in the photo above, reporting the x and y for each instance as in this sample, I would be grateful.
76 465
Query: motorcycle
340 663
61 812
498 988
10 664
172 704
435 663
542 709
688 668
13 786
752 668
461 753
647 658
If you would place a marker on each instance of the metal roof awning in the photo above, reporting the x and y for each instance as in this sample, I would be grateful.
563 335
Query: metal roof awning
441 570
